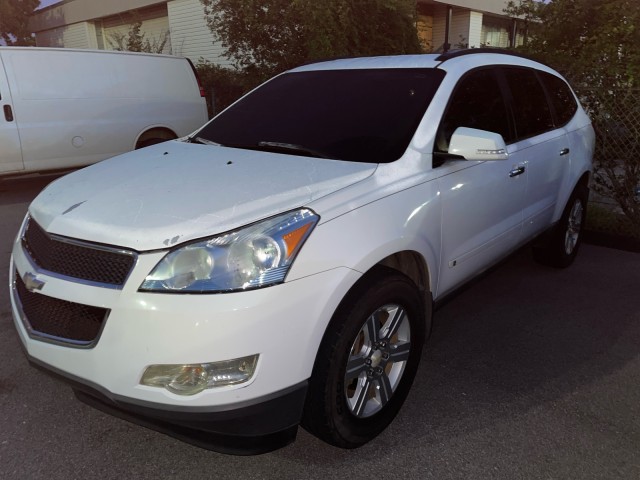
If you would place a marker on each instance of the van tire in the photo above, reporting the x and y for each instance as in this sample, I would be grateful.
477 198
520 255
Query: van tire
155 136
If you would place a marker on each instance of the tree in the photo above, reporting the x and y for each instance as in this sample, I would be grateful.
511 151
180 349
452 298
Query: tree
14 19
269 36
134 40
594 43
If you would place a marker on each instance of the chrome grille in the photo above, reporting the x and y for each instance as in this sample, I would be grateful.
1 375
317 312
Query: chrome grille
90 262
59 320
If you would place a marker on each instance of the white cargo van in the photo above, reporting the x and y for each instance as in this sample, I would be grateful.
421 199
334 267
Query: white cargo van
64 108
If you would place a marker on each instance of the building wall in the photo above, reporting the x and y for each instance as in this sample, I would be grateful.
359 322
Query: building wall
154 25
190 35
424 26
459 29
475 29
182 22
70 36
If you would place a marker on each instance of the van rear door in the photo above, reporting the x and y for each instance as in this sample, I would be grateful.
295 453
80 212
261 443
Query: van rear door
10 150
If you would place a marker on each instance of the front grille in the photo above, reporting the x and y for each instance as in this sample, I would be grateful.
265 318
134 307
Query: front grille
65 321
76 259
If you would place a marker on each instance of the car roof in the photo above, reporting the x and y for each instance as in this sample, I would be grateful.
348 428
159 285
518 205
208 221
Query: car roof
453 60
398 61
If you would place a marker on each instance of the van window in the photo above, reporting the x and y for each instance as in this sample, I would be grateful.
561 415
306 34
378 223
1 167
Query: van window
530 106
563 101
477 102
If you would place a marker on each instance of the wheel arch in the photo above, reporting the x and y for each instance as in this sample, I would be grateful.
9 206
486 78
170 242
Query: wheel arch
583 181
412 265
409 263
154 132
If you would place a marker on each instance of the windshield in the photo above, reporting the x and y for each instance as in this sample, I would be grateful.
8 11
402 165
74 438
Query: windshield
354 115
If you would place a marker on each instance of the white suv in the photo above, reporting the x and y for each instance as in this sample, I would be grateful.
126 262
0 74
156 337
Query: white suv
279 266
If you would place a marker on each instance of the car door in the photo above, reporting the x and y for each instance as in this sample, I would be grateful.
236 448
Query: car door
541 147
11 152
482 202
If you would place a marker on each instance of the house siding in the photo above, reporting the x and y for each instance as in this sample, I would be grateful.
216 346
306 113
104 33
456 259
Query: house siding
459 29
190 35
475 29
439 27
70 36
154 30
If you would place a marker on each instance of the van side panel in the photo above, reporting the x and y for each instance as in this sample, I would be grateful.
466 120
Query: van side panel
10 151
74 108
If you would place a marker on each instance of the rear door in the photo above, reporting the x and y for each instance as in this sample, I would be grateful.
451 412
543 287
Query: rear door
10 151
539 145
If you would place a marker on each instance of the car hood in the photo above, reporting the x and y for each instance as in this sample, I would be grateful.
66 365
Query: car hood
170 193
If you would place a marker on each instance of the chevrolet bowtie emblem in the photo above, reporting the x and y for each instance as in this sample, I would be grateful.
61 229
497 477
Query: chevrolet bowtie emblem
31 282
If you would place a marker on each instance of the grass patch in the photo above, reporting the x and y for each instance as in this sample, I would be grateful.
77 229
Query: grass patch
601 218
608 228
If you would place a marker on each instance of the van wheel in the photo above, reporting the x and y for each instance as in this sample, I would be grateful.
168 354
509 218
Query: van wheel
154 136
562 247
149 142
367 360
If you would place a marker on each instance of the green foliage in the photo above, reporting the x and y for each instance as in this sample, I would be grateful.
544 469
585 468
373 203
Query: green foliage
223 85
594 43
14 19
134 40
269 36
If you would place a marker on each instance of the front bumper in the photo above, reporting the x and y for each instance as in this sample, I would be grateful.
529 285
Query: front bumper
251 429
283 324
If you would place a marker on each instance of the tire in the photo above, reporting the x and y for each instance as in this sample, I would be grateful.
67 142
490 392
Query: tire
566 237
149 142
367 360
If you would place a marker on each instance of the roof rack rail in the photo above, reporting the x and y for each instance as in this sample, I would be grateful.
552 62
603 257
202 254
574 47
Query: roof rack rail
470 51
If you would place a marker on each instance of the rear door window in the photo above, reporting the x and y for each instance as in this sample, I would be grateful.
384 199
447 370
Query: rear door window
529 101
562 100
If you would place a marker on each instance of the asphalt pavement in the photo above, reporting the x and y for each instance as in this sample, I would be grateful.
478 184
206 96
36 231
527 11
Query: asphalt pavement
530 373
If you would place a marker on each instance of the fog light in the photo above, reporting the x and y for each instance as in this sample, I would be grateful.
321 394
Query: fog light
194 378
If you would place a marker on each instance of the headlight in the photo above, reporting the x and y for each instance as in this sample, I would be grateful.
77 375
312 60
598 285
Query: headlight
255 256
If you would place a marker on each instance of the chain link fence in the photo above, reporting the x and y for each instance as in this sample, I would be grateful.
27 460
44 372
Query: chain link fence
615 114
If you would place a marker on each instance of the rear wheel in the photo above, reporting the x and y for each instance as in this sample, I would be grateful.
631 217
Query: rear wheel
367 361
562 247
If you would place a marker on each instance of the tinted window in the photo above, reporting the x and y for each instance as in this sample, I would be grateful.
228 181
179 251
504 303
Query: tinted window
530 106
356 115
563 101
476 102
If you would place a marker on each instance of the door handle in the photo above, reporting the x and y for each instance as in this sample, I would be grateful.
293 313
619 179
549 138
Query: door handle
519 170
564 151
8 113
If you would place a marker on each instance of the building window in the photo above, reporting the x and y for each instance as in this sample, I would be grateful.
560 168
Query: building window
495 32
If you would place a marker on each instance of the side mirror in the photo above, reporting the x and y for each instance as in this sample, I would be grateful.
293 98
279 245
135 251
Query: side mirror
473 144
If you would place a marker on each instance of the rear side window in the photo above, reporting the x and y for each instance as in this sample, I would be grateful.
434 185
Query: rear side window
530 107
477 102
563 101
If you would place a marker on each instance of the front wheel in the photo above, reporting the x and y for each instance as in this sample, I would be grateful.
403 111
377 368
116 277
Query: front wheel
562 248
367 361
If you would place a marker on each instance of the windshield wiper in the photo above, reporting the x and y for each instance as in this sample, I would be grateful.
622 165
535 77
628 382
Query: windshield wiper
204 141
293 148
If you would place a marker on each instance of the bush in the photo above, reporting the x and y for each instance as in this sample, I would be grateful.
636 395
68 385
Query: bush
223 86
